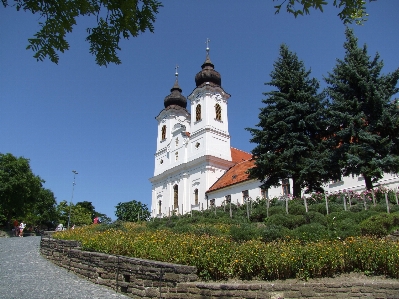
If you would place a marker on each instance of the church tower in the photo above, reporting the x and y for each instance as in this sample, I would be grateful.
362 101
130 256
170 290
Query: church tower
193 149
209 122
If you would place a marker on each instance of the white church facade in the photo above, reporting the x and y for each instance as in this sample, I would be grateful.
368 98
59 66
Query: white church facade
195 165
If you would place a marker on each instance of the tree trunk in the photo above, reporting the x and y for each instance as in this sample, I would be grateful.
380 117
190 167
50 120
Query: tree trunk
369 183
296 188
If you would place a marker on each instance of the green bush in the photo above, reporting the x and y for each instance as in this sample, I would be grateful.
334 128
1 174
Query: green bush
310 232
244 232
274 232
296 207
288 221
378 225
315 217
319 208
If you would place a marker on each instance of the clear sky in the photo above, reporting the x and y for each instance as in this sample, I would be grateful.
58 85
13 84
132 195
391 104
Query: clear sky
101 121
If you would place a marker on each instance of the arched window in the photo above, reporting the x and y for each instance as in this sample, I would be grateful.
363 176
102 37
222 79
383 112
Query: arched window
196 196
163 132
218 111
176 197
198 112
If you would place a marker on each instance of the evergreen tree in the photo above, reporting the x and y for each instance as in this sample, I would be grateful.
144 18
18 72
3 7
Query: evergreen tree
363 122
289 135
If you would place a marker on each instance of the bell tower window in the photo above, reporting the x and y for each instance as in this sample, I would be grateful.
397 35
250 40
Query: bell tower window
196 196
163 132
218 111
176 197
198 112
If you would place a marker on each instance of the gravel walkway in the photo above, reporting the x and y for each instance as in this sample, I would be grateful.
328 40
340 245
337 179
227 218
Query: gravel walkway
24 273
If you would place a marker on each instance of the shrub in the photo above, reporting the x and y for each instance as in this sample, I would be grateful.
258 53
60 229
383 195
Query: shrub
315 217
319 208
296 207
274 232
288 221
244 232
378 225
310 232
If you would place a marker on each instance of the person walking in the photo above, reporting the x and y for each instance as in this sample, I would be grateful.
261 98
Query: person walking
16 227
21 228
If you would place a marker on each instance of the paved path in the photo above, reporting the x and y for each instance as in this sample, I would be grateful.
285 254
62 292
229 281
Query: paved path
24 273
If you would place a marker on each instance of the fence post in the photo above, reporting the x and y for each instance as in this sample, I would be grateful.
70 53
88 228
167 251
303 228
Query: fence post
267 206
305 203
372 194
231 214
386 200
215 207
350 200
343 197
396 197
364 202
325 196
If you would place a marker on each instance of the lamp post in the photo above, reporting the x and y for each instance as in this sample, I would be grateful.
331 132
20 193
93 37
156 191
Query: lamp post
70 204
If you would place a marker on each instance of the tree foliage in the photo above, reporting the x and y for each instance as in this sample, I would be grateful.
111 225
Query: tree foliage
363 121
19 187
351 10
91 209
42 211
115 20
290 127
132 211
79 215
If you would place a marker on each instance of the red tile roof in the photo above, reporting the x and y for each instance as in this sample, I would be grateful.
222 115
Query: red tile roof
237 173
238 155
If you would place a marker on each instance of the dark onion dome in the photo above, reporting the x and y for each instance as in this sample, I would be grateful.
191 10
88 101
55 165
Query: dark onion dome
175 97
208 74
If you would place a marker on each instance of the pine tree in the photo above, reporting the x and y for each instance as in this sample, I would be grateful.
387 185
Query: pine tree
290 127
363 121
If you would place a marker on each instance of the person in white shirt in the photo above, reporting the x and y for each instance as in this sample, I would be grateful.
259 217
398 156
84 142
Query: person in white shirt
21 228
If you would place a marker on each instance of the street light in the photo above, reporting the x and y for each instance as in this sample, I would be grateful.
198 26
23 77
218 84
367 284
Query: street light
70 204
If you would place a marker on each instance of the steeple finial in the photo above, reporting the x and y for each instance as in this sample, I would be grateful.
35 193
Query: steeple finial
176 73
207 46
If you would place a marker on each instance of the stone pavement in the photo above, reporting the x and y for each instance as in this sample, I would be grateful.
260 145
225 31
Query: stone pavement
24 273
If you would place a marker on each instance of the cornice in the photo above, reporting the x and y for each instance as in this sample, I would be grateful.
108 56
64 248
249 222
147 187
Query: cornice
207 159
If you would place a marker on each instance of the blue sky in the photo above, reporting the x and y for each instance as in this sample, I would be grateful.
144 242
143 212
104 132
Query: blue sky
100 121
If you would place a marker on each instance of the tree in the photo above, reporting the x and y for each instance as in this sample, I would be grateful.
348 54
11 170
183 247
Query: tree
289 140
79 215
43 210
115 19
352 10
132 211
363 121
19 187
88 206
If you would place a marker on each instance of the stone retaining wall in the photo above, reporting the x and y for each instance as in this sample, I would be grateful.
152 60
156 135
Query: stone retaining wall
140 278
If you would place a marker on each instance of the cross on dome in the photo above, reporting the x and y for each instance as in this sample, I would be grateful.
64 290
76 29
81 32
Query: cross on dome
176 73
207 46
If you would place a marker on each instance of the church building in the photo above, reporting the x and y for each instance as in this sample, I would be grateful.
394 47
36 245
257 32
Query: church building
195 165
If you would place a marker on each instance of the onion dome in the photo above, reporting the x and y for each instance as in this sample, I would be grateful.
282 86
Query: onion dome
208 74
175 97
